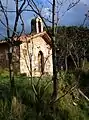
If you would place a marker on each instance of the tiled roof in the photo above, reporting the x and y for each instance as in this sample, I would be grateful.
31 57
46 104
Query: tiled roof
28 37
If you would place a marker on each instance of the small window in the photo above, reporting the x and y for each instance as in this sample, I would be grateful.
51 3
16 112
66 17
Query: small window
41 62
39 26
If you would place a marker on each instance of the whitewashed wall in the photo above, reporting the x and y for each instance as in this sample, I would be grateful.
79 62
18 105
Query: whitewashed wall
35 45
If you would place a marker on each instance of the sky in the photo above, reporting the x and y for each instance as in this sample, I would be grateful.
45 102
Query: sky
75 16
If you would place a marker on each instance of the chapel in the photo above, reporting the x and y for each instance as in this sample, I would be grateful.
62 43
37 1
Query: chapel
33 56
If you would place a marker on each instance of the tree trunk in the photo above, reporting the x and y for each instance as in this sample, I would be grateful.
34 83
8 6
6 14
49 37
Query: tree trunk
55 81
11 72
66 65
84 59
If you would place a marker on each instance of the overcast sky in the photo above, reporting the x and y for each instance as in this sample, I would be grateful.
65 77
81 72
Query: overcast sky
75 16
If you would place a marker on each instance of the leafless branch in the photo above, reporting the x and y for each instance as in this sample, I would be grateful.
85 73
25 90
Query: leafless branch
6 18
18 12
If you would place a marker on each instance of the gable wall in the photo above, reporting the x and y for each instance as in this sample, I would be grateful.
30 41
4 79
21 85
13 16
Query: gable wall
37 44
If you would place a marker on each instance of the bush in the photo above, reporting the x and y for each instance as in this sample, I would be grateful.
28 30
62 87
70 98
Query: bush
33 101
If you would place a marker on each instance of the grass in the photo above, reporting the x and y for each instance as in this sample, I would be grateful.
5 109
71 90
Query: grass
33 101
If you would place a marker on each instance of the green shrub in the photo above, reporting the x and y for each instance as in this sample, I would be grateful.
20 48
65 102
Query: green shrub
33 101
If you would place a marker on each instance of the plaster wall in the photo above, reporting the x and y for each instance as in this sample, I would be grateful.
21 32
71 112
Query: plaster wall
29 56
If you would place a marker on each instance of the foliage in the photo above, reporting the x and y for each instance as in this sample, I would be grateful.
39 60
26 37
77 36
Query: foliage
33 102
72 41
84 82
75 106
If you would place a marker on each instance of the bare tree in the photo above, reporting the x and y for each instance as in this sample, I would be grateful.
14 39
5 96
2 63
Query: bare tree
11 33
56 6
23 5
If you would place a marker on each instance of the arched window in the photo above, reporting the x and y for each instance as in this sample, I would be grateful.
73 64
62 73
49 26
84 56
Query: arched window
41 62
39 26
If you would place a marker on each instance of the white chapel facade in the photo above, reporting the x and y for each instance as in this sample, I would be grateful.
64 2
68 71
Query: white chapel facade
36 51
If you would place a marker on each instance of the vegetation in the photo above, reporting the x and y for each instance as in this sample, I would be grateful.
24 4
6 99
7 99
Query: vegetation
34 101
24 98
72 46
